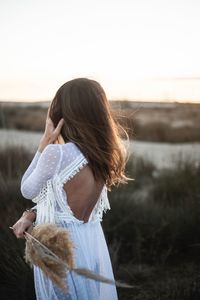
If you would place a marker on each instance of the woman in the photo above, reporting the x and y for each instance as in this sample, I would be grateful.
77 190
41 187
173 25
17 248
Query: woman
68 180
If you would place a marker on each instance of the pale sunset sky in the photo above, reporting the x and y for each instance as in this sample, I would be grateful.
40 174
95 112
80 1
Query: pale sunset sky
136 49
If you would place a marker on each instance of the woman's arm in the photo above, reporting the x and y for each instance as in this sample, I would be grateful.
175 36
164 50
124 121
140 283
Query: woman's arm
47 166
43 165
31 167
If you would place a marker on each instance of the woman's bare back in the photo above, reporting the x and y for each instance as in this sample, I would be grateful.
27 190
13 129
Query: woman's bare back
83 192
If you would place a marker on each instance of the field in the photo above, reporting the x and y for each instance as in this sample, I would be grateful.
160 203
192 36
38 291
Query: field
157 122
163 122
153 229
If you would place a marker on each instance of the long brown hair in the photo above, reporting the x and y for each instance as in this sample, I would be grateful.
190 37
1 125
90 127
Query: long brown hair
89 124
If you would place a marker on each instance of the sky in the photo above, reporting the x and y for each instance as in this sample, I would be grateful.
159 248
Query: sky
136 49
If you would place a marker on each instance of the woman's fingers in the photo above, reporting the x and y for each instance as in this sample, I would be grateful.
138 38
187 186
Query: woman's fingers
18 232
48 113
60 124
51 133
59 127
20 227
30 229
49 122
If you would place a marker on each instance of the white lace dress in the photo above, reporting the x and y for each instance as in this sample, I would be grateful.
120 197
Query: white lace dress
43 183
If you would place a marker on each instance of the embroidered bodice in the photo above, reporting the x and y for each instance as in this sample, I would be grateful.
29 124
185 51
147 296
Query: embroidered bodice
45 177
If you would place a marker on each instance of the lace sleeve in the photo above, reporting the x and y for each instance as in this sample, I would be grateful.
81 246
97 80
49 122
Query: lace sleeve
36 176
31 166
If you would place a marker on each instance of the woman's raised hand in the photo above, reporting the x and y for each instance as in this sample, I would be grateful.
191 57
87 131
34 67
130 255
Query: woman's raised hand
50 133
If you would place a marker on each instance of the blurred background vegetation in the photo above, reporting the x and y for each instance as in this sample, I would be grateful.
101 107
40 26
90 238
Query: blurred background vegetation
157 122
153 229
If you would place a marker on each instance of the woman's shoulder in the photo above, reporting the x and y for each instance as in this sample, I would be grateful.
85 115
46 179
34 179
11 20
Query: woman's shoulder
69 146
71 155
71 149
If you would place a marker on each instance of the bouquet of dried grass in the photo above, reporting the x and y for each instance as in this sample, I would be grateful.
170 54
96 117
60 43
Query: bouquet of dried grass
50 248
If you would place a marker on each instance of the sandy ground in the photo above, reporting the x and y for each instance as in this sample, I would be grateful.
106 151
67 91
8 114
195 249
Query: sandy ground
163 155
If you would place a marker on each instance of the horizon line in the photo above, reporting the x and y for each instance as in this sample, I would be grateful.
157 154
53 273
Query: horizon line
125 100
178 78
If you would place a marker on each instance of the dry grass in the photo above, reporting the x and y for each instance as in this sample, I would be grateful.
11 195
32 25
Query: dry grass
56 262
175 123
179 123
24 118
154 242
51 248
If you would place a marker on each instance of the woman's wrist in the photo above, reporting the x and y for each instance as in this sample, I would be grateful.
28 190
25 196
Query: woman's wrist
29 215
43 143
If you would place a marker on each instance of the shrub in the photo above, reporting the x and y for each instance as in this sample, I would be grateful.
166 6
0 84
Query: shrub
154 240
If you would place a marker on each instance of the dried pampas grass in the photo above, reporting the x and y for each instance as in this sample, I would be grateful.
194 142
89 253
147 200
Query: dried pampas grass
50 248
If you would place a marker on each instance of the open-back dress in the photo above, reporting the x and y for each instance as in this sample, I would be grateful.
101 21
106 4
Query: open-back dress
43 183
